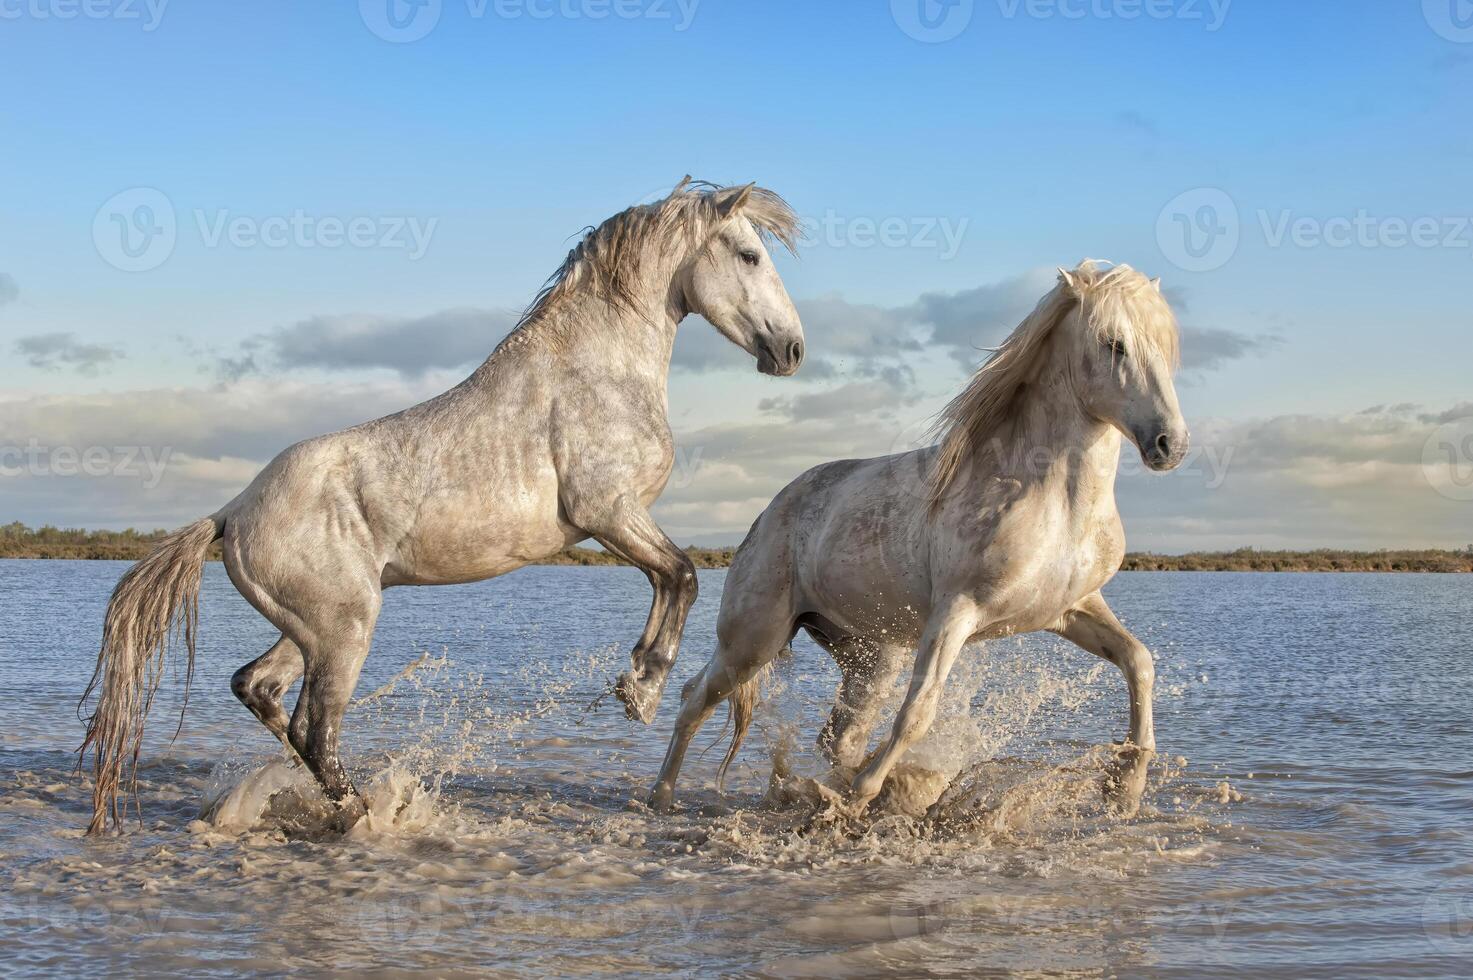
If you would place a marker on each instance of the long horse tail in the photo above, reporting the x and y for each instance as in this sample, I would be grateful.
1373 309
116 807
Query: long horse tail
154 606
743 701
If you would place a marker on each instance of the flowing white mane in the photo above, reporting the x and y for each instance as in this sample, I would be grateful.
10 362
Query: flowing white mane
1118 303
608 260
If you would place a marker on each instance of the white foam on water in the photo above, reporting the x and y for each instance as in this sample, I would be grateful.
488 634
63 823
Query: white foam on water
399 801
238 793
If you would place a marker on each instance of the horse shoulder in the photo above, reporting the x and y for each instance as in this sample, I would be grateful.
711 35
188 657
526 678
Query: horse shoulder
1005 544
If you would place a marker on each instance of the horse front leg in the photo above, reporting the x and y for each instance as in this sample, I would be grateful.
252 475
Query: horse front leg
1092 626
629 532
950 626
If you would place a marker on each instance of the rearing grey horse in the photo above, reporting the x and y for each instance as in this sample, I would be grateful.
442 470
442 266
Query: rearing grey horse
561 435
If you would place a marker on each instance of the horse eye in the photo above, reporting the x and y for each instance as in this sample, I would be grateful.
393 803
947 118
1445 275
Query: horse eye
750 257
1117 347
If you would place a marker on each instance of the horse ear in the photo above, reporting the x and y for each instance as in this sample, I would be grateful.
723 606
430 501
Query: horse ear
1067 278
1157 283
681 185
730 200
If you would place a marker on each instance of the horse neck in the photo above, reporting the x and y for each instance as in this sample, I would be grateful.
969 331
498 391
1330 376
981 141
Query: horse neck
633 341
636 341
1052 440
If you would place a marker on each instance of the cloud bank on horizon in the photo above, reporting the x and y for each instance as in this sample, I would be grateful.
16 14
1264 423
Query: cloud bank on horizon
877 376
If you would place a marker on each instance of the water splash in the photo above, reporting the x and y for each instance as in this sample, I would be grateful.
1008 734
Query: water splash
432 722
239 792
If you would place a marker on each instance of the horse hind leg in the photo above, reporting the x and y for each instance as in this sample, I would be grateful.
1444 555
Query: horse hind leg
261 684
334 648
744 648
869 671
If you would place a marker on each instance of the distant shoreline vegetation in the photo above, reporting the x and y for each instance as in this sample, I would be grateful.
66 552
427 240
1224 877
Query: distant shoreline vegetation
19 541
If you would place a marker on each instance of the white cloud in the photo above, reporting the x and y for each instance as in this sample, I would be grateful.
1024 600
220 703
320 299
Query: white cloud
1303 481
412 346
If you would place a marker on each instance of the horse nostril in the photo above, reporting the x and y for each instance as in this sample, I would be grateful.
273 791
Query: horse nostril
795 352
1163 445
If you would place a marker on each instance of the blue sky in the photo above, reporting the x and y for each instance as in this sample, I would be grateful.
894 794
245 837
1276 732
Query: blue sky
1039 134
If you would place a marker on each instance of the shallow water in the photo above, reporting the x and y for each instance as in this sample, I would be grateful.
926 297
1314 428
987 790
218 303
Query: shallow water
1309 814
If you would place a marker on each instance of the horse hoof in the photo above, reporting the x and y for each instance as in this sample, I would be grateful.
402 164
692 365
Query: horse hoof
640 701
1125 780
350 811
662 800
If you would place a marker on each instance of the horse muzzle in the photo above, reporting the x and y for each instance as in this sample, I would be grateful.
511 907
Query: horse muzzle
1166 451
779 358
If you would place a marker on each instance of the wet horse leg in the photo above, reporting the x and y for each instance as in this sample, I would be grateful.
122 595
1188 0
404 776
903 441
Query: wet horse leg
951 624
745 646
630 532
868 671
1092 626
261 684
334 644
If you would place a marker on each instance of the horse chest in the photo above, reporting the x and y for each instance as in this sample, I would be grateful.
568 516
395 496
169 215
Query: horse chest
1046 568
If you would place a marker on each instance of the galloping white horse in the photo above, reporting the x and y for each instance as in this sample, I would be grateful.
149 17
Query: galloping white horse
1007 526
561 435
